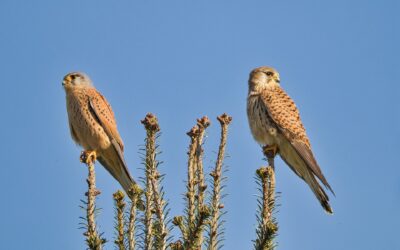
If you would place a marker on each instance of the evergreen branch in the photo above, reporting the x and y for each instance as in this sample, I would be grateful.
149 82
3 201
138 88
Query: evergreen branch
216 204
159 205
191 182
179 222
153 179
151 125
120 206
202 124
93 238
134 193
195 241
267 225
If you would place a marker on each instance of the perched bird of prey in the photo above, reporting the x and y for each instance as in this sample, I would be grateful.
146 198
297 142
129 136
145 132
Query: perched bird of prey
275 123
93 126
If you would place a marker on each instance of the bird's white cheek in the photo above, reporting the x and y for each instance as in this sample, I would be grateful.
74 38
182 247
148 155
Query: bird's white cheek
68 87
272 84
258 85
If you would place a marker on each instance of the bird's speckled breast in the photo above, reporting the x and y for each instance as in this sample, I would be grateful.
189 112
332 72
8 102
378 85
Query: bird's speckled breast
84 126
261 125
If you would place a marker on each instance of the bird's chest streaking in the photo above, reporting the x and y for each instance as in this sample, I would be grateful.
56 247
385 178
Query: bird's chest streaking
261 125
84 125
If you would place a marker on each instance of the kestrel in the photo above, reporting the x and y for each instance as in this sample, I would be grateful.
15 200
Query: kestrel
92 125
275 123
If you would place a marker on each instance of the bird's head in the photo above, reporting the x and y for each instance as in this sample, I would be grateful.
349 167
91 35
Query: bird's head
263 78
76 79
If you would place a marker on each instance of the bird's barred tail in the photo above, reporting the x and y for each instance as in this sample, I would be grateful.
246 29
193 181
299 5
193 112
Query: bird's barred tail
319 192
126 182
117 168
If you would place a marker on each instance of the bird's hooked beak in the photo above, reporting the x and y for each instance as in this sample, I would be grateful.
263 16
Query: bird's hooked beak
276 78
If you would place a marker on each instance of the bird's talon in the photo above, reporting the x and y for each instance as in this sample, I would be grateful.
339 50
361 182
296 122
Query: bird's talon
88 157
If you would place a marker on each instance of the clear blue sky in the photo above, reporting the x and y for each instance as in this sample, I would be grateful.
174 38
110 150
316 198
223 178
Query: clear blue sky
339 60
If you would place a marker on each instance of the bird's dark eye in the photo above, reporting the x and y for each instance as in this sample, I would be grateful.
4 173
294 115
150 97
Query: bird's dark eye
73 77
269 73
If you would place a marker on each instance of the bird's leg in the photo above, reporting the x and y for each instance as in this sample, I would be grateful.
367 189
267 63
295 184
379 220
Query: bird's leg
88 156
270 151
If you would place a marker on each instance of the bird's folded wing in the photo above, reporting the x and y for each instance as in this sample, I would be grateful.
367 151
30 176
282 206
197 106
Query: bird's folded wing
105 117
285 115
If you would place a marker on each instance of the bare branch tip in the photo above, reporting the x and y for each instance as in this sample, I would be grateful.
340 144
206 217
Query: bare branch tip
135 191
193 133
150 122
203 122
224 119
264 172
119 195
177 220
